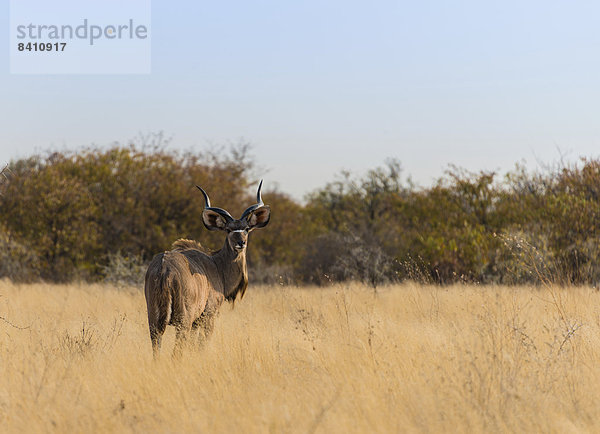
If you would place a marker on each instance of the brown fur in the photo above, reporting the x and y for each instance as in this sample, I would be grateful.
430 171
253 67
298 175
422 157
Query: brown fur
183 244
185 286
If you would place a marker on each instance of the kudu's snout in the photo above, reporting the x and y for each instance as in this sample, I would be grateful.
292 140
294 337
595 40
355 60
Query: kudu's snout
240 245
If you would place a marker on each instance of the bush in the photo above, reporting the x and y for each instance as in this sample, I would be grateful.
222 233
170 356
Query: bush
73 209
65 214
124 270
17 262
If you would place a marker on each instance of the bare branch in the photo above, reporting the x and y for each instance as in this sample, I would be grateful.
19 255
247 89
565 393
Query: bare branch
13 325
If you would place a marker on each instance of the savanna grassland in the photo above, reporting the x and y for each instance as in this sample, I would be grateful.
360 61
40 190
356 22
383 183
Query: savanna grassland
339 359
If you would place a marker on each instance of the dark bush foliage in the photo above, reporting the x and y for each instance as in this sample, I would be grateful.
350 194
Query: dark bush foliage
103 213
74 210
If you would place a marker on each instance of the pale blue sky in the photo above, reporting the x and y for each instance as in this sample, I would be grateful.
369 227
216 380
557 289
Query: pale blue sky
320 86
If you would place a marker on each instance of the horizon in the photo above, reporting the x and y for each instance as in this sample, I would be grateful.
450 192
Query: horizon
536 165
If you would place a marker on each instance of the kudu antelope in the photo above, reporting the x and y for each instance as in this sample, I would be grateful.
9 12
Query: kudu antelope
184 287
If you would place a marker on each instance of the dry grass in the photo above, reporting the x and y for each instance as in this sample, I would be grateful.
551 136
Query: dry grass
412 359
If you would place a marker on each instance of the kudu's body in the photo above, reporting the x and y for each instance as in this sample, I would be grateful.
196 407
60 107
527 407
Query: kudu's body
184 287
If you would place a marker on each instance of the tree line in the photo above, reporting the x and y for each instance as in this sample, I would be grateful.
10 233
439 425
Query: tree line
103 213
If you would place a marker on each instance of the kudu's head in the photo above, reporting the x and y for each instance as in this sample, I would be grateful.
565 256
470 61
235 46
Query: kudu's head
255 216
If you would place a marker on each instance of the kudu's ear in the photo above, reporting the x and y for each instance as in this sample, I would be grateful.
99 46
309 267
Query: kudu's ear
259 218
213 220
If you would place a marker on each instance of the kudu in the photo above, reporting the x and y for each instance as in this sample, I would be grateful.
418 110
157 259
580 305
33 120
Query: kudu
184 287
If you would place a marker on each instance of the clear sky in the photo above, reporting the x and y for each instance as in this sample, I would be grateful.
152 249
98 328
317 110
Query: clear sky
320 86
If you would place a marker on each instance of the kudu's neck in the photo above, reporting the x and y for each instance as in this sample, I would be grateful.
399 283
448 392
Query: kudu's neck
234 273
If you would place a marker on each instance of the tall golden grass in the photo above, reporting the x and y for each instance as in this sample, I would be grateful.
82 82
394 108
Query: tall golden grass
341 359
